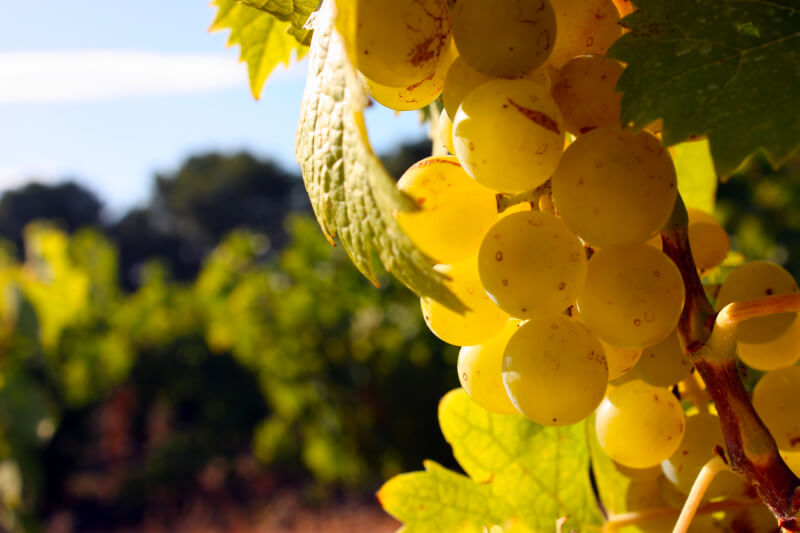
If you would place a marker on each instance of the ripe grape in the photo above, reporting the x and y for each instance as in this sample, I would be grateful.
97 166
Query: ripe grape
639 425
448 198
446 131
480 371
665 363
637 474
531 264
620 360
703 434
585 91
708 240
778 353
625 7
775 401
584 27
505 38
506 135
756 280
615 187
397 42
792 460
632 296
554 370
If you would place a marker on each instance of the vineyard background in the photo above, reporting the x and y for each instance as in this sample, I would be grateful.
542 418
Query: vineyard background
209 362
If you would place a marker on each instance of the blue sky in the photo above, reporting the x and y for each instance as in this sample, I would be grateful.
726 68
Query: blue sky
109 93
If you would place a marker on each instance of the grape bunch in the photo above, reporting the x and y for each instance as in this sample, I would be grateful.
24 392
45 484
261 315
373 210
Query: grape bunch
573 305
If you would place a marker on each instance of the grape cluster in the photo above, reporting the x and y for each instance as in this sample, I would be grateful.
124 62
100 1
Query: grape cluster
573 305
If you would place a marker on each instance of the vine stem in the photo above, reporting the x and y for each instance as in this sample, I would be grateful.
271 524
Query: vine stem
699 488
710 341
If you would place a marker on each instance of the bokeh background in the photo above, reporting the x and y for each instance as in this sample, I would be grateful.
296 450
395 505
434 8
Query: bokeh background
180 348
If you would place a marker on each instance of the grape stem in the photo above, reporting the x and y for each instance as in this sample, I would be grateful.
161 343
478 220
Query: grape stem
701 484
621 520
736 312
710 341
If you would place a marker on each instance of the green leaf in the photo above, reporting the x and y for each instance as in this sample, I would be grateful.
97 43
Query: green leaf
611 484
728 69
263 39
697 181
352 195
294 11
522 475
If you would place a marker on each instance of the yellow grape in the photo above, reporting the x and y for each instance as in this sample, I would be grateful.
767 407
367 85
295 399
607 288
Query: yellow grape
703 434
480 371
585 91
397 42
639 425
648 494
632 296
625 7
554 370
775 401
638 474
584 27
446 131
778 353
620 360
505 38
531 264
792 460
756 280
614 187
483 319
448 198
506 135
708 240
665 363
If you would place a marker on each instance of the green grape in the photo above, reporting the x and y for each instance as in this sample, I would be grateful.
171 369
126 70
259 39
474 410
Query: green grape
632 296
755 518
638 474
554 370
483 319
446 131
620 360
703 434
506 135
639 425
775 401
448 198
615 187
649 494
504 37
756 280
531 264
480 371
396 42
778 353
415 95
665 363
792 460
708 240
585 91
584 27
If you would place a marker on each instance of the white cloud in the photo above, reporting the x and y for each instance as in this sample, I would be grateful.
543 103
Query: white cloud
86 75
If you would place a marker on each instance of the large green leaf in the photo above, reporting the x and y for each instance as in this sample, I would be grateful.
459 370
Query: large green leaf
263 39
521 473
728 69
294 11
352 195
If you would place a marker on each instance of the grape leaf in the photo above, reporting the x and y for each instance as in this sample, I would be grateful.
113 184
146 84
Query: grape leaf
697 180
611 484
294 11
263 39
352 195
728 69
520 472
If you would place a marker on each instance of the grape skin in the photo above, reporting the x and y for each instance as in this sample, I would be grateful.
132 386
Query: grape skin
632 296
585 91
708 240
775 401
448 198
479 323
639 425
480 371
584 27
446 131
756 280
665 363
505 38
398 42
531 264
615 187
506 135
778 353
620 360
554 371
